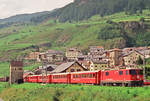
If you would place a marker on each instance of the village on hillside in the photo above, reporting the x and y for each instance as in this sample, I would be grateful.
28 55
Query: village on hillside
73 60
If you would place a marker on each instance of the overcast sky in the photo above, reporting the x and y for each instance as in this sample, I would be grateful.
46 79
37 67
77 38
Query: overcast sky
13 7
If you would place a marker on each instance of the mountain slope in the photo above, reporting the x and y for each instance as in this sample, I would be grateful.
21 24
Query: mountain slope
84 9
114 31
33 18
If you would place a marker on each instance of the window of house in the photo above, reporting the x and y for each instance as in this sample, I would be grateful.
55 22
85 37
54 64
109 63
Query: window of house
120 72
107 73
72 70
78 70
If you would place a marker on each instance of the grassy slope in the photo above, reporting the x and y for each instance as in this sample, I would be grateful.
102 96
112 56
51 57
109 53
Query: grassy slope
60 35
61 92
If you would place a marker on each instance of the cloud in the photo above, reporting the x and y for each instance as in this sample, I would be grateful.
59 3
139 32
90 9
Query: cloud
13 7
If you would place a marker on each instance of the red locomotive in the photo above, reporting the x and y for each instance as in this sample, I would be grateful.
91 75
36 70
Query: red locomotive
122 77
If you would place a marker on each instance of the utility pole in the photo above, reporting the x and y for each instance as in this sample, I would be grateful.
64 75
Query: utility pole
144 73
44 70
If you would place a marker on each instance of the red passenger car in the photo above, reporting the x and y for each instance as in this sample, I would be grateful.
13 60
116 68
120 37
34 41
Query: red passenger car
88 77
33 78
126 77
60 78
44 79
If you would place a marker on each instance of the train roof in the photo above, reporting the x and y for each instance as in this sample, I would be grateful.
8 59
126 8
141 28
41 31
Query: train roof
85 72
76 72
123 69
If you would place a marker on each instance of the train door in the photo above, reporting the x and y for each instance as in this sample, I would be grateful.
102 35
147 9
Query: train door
68 78
98 77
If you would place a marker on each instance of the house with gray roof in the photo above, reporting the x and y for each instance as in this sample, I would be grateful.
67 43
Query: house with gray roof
69 67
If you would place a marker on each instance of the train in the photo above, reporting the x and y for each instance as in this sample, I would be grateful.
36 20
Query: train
120 77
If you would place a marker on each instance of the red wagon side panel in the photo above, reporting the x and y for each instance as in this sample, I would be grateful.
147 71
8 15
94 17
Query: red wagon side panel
90 77
122 76
59 78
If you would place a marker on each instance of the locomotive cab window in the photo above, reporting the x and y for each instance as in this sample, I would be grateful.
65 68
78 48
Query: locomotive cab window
107 73
133 72
120 72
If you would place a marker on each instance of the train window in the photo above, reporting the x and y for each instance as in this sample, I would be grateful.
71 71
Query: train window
82 75
127 72
120 72
133 72
88 75
74 76
79 75
85 75
107 73
141 72
91 75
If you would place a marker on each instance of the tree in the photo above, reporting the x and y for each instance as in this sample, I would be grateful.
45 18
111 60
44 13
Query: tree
140 61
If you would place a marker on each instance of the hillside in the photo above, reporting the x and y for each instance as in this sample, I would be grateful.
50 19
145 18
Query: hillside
84 9
114 31
23 19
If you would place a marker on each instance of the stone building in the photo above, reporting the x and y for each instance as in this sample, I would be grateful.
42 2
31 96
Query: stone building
98 65
132 57
33 56
72 54
55 56
96 50
115 57
16 72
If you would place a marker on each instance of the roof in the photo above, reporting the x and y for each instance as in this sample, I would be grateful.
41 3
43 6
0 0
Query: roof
64 66
145 52
100 62
54 52
97 47
126 54
49 65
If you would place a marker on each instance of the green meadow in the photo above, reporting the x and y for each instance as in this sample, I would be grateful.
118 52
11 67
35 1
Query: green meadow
63 92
